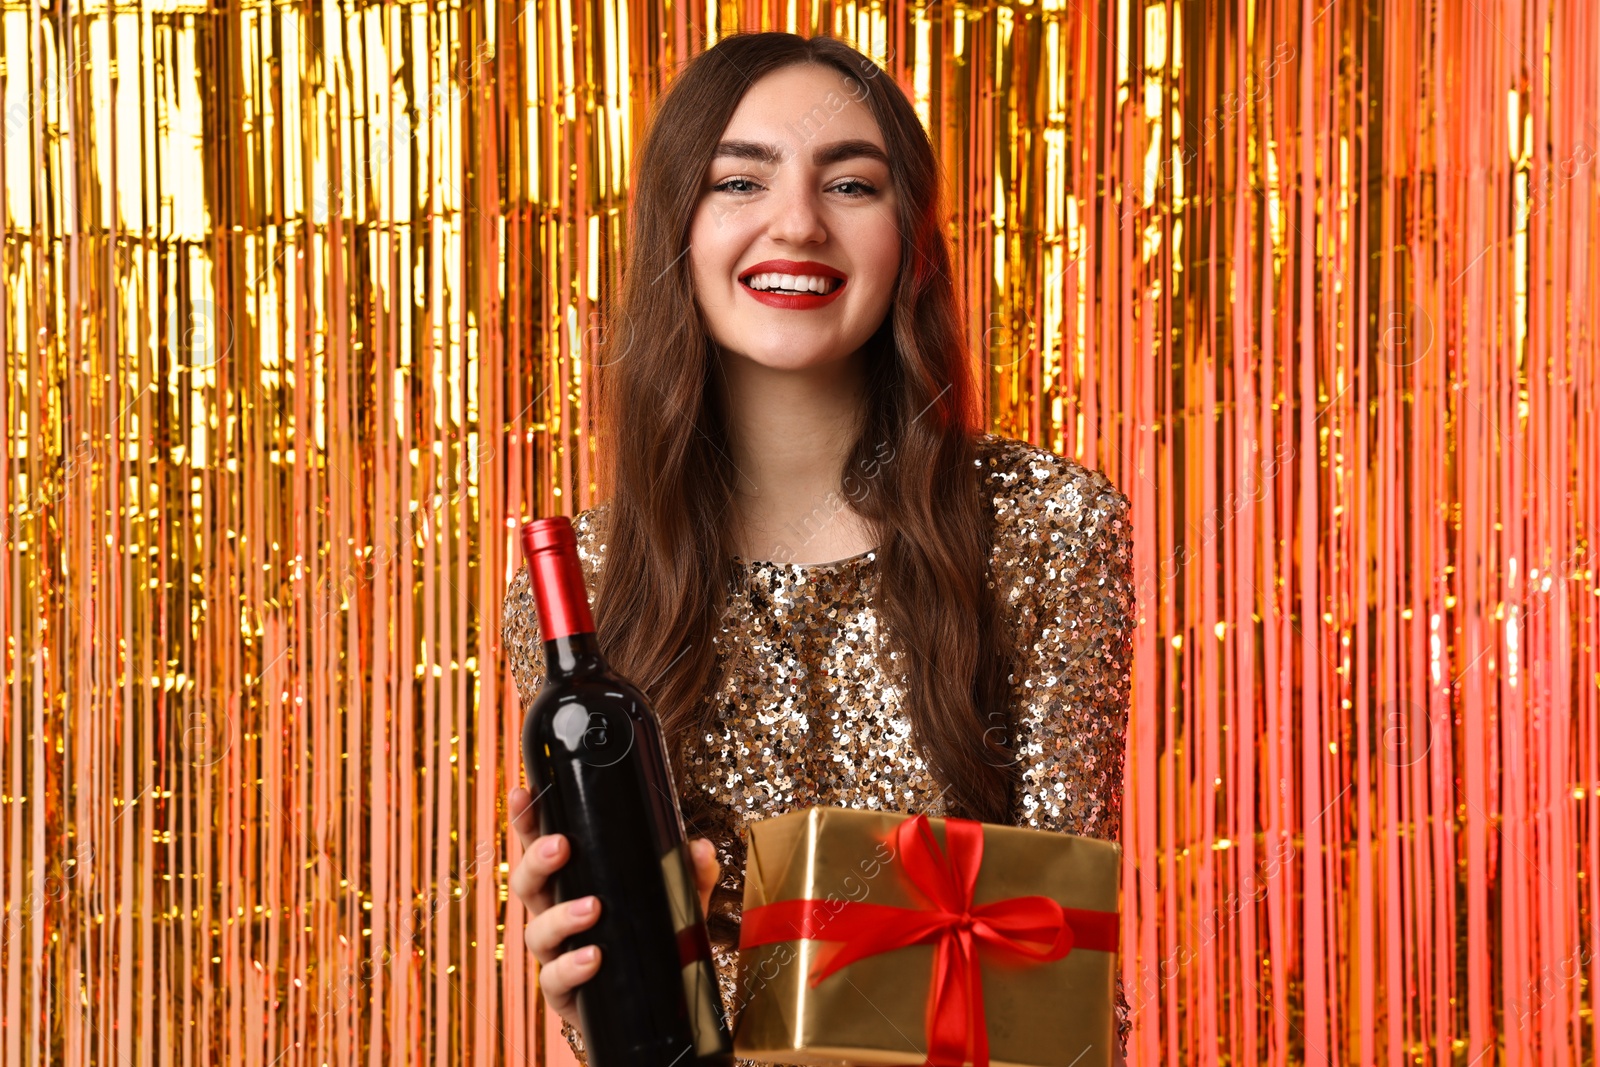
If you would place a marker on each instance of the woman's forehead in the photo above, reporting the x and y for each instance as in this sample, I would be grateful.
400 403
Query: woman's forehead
797 110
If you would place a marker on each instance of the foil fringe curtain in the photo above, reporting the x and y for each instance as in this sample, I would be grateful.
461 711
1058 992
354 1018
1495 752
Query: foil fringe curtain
297 303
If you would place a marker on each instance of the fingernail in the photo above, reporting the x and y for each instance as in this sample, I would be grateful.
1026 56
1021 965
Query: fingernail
549 846
587 955
583 906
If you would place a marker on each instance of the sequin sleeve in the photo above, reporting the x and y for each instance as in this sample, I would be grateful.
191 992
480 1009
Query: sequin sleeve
1064 546
519 636
575 1040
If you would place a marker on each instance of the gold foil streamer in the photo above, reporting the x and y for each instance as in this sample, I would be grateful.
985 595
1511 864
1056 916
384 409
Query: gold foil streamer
297 305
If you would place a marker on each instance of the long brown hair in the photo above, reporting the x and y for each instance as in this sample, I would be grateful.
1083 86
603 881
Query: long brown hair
664 444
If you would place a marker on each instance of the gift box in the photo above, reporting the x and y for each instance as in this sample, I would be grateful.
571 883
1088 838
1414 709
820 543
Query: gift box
876 938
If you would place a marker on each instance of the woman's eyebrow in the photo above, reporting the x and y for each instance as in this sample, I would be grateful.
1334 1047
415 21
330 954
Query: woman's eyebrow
824 154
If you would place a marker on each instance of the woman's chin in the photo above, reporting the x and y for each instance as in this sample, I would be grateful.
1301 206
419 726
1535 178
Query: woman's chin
793 359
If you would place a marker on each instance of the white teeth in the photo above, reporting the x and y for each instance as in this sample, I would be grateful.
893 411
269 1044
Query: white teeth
799 283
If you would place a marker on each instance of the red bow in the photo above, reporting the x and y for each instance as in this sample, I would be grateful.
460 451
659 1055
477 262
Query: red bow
955 1017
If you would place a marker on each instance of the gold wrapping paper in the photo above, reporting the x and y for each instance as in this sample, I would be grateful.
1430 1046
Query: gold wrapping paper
873 1011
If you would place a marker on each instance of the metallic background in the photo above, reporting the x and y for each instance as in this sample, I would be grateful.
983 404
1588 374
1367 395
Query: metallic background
297 303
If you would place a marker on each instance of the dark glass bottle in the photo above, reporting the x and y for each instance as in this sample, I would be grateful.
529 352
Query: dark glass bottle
599 769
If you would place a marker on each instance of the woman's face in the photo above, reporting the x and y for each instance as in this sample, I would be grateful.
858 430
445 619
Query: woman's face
799 186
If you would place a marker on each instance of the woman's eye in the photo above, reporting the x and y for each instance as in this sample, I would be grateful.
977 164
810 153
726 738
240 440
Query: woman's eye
862 189
866 189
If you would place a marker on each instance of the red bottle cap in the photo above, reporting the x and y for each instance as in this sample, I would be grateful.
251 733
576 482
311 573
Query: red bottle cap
551 549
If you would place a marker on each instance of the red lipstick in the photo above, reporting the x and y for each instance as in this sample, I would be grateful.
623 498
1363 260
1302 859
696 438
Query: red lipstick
793 301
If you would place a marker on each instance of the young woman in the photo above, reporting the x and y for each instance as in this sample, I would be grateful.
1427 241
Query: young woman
835 588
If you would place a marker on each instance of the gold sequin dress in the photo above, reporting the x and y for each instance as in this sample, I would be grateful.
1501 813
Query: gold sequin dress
809 712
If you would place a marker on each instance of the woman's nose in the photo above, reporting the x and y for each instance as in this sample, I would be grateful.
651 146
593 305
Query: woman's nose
796 218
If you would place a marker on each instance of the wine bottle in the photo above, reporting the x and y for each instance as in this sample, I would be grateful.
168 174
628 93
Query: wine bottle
598 766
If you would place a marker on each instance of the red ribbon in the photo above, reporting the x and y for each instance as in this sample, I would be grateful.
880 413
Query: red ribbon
955 1018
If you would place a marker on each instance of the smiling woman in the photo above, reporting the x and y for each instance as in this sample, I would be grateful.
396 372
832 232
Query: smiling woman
780 180
835 589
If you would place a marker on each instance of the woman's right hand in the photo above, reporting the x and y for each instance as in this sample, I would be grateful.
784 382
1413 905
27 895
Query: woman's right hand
549 923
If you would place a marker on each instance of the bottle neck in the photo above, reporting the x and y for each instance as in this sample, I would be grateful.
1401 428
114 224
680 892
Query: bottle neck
565 622
557 579
571 655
